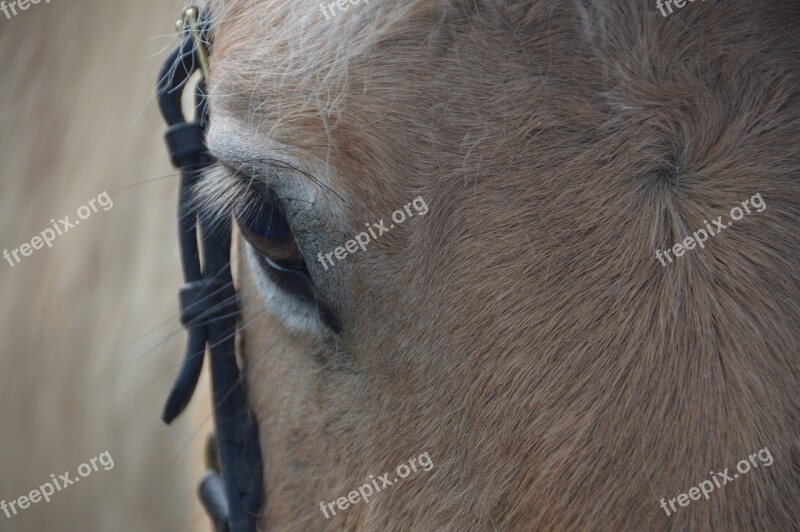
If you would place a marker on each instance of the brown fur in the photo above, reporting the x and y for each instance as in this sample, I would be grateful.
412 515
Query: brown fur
522 333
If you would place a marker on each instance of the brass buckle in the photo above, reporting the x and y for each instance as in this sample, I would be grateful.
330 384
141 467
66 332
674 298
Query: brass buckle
189 25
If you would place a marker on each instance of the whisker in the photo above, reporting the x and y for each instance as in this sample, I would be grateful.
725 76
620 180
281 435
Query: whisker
175 330
152 180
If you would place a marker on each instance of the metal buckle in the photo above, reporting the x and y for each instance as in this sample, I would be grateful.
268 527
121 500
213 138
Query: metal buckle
190 25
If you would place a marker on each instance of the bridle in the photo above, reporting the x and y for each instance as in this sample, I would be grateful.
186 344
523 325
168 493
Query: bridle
231 490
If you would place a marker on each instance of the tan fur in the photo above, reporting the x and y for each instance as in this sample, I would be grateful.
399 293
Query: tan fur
522 333
85 366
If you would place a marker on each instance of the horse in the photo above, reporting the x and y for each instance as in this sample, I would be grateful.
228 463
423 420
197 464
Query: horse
522 332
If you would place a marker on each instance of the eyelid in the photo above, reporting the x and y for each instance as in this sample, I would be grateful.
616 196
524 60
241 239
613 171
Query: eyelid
221 193
250 180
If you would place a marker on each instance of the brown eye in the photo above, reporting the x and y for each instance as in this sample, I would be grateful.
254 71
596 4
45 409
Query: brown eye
268 232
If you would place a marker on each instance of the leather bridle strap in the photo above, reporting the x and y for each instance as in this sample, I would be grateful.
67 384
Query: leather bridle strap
208 298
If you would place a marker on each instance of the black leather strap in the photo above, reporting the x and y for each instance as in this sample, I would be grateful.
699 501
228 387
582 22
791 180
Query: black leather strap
212 492
208 310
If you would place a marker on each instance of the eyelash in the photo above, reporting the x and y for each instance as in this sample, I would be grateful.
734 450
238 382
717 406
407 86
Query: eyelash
224 196
221 195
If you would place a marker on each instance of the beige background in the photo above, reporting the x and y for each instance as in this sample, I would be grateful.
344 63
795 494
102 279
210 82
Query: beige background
86 356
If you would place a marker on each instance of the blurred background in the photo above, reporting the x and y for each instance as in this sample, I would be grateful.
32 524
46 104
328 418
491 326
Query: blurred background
89 336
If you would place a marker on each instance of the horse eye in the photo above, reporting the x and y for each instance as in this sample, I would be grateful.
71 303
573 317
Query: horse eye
268 232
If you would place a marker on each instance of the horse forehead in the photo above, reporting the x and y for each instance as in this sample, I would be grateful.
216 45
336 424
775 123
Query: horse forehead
268 95
263 67
284 49
301 83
